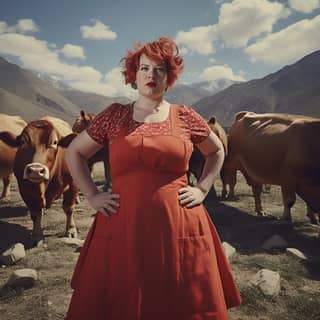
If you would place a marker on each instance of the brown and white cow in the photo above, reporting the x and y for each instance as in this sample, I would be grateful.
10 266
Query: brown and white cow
41 170
280 149
14 125
81 123
197 160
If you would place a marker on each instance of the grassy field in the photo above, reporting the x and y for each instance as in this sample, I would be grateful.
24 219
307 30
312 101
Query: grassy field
237 224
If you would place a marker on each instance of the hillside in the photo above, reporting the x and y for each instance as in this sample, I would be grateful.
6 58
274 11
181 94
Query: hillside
91 102
293 89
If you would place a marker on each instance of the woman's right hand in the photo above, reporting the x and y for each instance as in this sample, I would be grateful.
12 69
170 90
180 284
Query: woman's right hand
105 202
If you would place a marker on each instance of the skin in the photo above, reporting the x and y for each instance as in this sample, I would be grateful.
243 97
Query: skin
151 80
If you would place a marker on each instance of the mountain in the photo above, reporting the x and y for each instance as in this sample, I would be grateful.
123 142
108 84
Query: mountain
26 85
15 105
184 94
188 94
91 102
214 86
58 84
32 95
293 89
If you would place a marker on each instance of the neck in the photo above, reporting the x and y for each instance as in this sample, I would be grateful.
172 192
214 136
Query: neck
145 103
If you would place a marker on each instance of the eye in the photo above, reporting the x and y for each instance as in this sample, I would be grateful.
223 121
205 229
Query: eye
144 68
161 69
54 143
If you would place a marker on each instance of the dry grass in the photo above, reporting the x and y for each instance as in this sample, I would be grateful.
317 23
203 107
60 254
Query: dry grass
237 224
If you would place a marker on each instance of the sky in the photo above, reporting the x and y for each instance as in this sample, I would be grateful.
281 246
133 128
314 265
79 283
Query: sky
82 42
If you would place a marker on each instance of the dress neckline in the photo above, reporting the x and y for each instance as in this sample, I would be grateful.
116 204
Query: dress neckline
143 122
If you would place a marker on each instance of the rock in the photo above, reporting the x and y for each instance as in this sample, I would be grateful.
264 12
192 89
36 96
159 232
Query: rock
13 254
73 241
297 253
228 249
22 278
275 242
267 281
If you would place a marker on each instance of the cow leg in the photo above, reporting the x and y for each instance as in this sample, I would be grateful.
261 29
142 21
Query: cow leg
257 189
37 232
6 187
224 190
231 181
312 216
69 199
289 199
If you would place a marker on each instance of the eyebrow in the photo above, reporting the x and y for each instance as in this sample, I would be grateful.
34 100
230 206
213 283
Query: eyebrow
148 65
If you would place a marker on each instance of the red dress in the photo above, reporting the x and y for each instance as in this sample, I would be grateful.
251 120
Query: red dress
154 259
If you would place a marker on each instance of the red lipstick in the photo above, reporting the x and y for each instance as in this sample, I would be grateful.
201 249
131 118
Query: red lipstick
151 84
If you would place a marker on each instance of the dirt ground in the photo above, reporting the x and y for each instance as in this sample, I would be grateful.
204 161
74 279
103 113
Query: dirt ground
237 224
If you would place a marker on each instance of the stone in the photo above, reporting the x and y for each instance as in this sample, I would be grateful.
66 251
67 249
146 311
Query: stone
297 253
228 249
73 241
24 278
13 254
275 242
267 281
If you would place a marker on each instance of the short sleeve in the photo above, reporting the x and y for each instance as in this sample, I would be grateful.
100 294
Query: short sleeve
101 125
199 129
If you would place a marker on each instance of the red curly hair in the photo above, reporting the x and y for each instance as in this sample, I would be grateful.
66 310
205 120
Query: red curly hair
163 50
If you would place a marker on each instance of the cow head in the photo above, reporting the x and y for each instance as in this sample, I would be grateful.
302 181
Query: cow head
36 155
82 122
38 146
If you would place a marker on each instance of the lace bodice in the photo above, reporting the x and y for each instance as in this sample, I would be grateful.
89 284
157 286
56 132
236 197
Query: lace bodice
106 125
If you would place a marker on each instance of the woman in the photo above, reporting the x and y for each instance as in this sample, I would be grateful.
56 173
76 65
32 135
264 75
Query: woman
152 251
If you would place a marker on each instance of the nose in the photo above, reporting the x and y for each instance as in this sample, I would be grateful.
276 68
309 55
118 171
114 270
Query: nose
36 172
151 73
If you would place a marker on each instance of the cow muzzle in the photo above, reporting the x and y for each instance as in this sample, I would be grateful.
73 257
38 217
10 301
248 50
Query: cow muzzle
36 172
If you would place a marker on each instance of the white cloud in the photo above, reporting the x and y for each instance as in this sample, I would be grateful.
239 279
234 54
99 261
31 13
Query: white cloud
3 26
183 50
26 25
198 39
242 20
287 45
305 6
98 31
220 72
23 26
39 56
73 51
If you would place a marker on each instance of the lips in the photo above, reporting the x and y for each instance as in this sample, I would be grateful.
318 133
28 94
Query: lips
151 84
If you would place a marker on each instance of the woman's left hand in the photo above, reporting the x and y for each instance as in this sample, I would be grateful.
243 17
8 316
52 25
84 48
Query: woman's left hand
191 196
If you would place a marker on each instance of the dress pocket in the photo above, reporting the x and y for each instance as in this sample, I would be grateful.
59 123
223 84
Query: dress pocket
199 280
193 222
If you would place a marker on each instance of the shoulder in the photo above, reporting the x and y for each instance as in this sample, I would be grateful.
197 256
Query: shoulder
188 114
115 109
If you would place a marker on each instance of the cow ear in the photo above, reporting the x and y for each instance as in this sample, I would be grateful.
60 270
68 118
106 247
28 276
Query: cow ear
65 141
212 120
10 139
83 114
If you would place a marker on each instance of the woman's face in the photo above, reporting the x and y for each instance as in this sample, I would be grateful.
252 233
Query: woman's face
151 78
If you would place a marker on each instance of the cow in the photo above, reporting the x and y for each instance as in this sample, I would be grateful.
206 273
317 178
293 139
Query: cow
279 149
41 170
14 125
197 160
80 124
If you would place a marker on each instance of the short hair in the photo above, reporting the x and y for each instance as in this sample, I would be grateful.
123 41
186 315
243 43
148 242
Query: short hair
163 50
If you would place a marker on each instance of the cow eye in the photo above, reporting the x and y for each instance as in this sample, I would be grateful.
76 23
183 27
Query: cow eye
55 142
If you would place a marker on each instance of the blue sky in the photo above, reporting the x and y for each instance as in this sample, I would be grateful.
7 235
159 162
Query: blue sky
81 42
